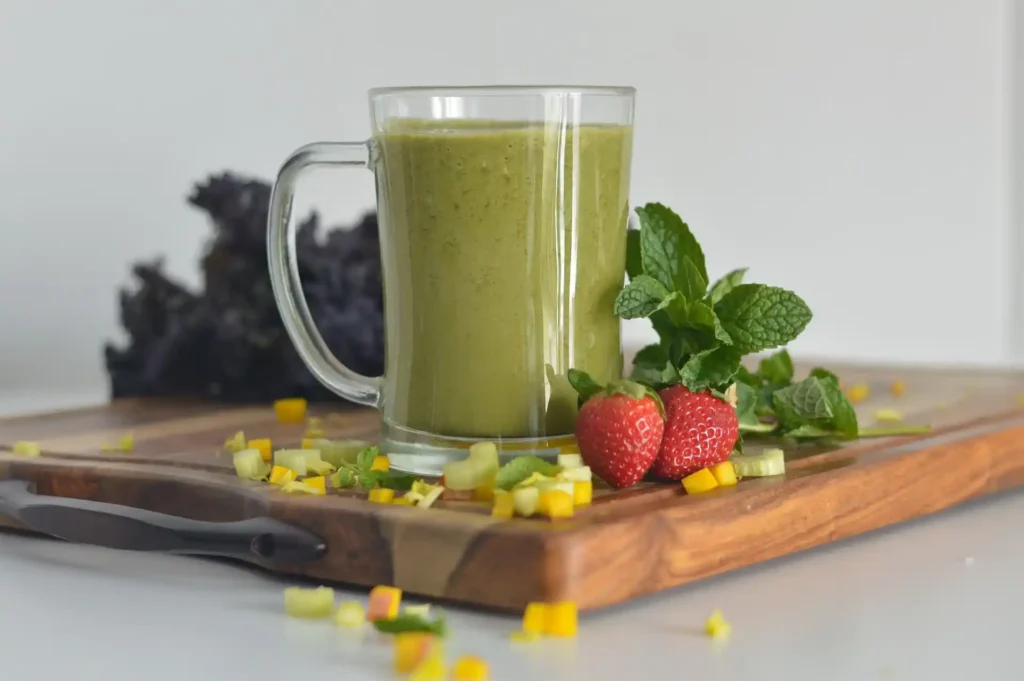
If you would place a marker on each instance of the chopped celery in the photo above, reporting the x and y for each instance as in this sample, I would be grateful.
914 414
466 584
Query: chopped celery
888 415
476 470
525 500
319 467
249 464
430 497
577 474
297 459
340 452
23 448
236 442
310 603
769 462
350 614
570 461
418 610
535 480
556 486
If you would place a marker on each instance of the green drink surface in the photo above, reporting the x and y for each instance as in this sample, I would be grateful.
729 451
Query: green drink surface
503 248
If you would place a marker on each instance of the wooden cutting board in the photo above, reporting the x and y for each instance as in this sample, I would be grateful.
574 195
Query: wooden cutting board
628 543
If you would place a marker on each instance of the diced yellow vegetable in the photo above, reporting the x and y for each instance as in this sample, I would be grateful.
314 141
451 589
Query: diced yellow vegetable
470 668
504 506
888 415
279 475
313 434
410 649
312 603
555 504
29 449
235 443
380 463
484 492
382 495
898 388
125 443
562 619
384 603
432 668
308 443
566 461
582 492
716 626
725 473
264 445
350 614
524 636
859 392
317 483
290 410
402 501
525 500
535 618
701 481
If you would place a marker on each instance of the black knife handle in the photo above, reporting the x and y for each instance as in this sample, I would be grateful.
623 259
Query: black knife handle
136 529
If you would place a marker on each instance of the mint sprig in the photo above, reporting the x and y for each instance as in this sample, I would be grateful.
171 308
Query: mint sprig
361 473
407 623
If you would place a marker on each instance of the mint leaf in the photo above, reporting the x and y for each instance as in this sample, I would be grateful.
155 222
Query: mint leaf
395 480
665 241
520 468
746 401
710 368
651 365
726 284
640 298
364 459
690 282
818 372
406 623
702 316
586 386
776 368
344 478
759 317
844 417
815 402
634 263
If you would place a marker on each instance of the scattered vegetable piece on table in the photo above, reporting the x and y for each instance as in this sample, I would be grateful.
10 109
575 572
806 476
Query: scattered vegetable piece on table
311 486
701 481
264 445
384 603
859 392
582 492
249 464
725 473
470 668
27 449
380 463
504 504
411 648
381 495
525 500
125 443
716 626
290 410
555 504
235 443
767 463
888 416
534 618
350 614
898 388
561 619
280 475
309 603
477 470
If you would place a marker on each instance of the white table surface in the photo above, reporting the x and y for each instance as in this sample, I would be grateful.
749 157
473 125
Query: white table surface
939 598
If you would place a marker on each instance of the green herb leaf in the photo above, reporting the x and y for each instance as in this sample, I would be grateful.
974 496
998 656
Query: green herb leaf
726 284
776 368
364 459
586 386
818 372
665 241
816 402
406 623
634 263
641 297
702 316
710 368
759 317
520 468
344 478
844 417
690 282
746 401
395 480
650 365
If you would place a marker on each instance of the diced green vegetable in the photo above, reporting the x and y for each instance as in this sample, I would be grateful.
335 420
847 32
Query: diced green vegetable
249 464
556 486
340 452
319 467
567 461
29 449
769 462
310 603
430 497
525 500
576 474
236 442
478 469
297 460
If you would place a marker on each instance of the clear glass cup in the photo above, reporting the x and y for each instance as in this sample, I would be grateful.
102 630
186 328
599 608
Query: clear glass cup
503 215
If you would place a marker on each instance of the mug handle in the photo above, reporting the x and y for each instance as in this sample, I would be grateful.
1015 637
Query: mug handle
284 271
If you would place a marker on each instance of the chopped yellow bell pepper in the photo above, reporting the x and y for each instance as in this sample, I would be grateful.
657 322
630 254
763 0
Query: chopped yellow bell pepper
484 492
380 463
432 668
701 481
410 649
716 626
303 487
384 603
350 614
402 501
504 504
23 448
264 445
555 504
382 495
534 618
888 415
318 483
562 619
898 388
582 492
290 410
725 473
280 475
524 637
859 393
470 668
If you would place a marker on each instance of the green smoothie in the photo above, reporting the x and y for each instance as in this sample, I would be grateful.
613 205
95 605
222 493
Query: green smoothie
503 248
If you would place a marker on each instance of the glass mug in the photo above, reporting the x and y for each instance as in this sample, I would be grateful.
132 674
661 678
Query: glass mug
502 214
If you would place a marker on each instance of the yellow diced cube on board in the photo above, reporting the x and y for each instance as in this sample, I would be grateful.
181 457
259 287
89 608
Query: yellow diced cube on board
384 603
290 410
350 614
858 392
888 415
380 463
470 668
562 619
534 618
381 495
29 449
582 492
504 506
555 504
279 475
524 637
318 483
402 501
484 492
716 626
263 445
431 669
725 473
410 649
898 388
701 481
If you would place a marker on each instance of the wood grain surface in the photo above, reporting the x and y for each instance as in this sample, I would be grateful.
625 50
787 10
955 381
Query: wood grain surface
628 543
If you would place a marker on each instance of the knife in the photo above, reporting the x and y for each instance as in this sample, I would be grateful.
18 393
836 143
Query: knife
137 529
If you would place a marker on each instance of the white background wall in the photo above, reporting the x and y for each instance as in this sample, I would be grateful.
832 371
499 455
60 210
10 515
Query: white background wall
856 152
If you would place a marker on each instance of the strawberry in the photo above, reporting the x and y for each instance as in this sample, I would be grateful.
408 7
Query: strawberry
619 431
700 431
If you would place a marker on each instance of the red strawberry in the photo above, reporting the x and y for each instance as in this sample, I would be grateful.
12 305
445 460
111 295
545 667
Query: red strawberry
700 431
619 431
